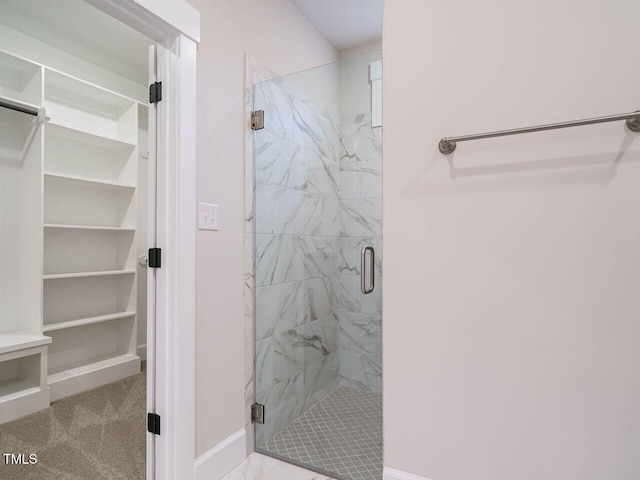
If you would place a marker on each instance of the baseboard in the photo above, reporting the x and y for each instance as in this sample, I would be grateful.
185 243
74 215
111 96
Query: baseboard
224 457
392 474
142 352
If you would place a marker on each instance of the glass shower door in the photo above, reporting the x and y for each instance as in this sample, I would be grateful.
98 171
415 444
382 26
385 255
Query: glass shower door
318 364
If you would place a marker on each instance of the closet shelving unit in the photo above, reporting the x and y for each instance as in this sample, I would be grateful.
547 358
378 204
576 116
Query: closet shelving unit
68 193
23 347
90 183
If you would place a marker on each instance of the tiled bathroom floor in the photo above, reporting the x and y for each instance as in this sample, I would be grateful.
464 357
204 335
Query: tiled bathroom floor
342 434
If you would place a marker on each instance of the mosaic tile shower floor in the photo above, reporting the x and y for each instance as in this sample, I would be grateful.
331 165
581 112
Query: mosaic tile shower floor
342 435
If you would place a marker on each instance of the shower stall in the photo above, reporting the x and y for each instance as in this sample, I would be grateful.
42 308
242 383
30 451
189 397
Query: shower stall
317 271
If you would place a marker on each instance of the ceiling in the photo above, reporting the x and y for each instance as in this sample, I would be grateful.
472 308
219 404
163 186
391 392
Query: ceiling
345 23
81 30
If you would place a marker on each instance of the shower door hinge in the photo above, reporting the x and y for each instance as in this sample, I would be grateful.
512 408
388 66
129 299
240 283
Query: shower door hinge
154 259
155 92
257 413
257 120
153 423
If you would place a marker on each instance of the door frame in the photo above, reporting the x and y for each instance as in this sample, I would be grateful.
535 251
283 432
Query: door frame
175 26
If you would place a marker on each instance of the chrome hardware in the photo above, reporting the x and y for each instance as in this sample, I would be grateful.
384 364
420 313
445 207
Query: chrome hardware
257 413
372 264
257 120
448 144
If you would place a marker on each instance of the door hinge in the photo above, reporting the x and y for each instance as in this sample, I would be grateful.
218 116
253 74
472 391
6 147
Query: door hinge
155 92
155 258
257 413
257 120
153 423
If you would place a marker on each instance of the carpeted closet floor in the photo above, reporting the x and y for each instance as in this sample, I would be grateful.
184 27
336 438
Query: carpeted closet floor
97 435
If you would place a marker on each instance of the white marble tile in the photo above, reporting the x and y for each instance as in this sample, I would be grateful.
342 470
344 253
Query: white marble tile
249 393
330 217
277 104
249 191
311 214
322 174
363 371
315 257
359 142
320 297
361 217
349 180
289 207
255 72
351 299
280 308
287 471
264 211
278 357
255 467
320 379
280 161
372 303
314 130
249 289
349 257
263 467
283 403
348 293
371 178
317 339
356 118
361 332
274 259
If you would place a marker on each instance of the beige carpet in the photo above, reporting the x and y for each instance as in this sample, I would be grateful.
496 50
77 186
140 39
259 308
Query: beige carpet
99 434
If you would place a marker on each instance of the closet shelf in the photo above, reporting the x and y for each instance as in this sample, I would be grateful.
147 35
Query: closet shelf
12 388
88 227
11 342
94 181
80 136
88 274
87 321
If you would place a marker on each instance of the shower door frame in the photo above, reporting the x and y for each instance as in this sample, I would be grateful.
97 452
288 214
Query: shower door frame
175 26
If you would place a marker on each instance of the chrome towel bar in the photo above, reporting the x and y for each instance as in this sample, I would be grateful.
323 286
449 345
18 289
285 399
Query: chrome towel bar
448 144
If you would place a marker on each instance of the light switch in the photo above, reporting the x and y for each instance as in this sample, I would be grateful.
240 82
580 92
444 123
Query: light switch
208 216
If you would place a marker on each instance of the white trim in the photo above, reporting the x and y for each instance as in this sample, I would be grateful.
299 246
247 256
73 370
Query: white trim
142 352
221 459
175 281
393 474
176 185
157 19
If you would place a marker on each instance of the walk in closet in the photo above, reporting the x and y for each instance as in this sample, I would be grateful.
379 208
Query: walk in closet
72 209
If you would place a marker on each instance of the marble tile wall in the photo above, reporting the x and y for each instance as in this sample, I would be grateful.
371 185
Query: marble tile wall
296 249
360 192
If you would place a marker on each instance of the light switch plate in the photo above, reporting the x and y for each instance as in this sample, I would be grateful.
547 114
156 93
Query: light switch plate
208 216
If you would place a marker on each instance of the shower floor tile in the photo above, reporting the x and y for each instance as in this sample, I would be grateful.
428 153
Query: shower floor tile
342 435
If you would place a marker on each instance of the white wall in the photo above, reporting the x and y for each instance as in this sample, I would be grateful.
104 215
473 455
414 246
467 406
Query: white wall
280 36
369 47
511 299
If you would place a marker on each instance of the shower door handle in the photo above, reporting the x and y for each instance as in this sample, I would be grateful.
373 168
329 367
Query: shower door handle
372 263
